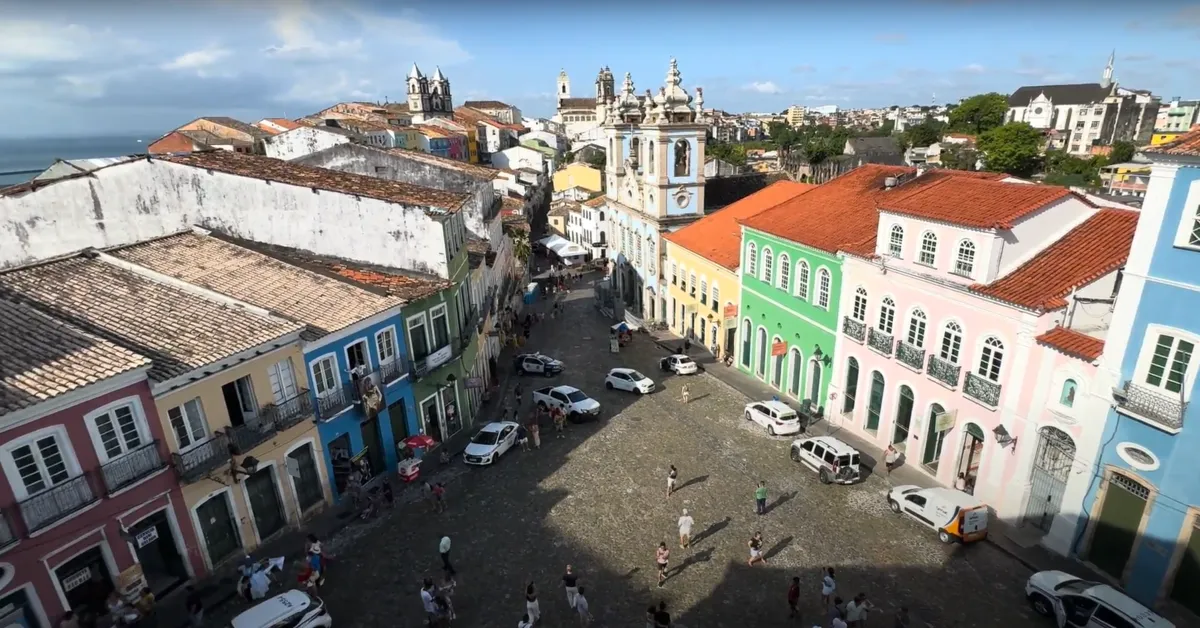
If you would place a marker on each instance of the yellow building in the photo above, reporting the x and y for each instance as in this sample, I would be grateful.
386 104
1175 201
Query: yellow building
1162 138
408 137
578 175
702 269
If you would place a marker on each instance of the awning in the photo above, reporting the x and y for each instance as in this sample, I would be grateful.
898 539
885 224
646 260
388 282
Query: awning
562 247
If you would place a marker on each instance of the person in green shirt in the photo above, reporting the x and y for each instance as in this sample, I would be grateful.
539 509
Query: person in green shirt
760 498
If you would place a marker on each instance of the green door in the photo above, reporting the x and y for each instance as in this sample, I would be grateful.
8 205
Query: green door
875 403
1187 577
1117 526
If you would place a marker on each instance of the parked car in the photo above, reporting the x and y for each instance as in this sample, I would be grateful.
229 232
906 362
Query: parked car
630 380
778 417
953 514
578 407
537 364
833 460
295 609
490 442
679 364
1078 603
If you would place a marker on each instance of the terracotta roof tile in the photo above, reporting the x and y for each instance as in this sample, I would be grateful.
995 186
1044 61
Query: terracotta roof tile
1093 249
431 131
42 358
178 329
1186 145
486 104
833 214
971 201
235 124
717 236
270 169
513 205
324 304
596 202
1073 343
483 172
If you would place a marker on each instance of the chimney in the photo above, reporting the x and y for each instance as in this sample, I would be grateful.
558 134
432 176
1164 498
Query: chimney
922 169
890 183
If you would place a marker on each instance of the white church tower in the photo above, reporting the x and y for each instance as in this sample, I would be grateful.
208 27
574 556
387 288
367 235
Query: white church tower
563 91
429 99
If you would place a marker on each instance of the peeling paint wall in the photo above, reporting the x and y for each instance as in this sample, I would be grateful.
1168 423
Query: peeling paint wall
300 142
146 199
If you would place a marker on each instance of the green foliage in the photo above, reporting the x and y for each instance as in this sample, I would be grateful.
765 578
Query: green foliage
923 134
979 113
958 157
521 248
1013 148
1068 170
1121 152
730 153
568 157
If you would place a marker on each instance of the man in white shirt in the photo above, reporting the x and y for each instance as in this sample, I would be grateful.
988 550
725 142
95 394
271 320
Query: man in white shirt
444 550
856 611
685 529
427 601
581 607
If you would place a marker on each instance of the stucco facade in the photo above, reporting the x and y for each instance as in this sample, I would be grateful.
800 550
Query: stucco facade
578 175
699 291
303 141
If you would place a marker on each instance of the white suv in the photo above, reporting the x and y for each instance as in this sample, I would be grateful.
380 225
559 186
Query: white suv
833 460
1078 603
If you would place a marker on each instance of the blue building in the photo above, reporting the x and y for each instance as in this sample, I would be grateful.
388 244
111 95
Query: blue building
1141 514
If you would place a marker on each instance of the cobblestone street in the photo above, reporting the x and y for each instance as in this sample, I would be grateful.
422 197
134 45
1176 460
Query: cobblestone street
596 500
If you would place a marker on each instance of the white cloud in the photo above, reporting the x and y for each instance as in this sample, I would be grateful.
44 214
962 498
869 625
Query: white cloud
198 61
420 40
763 87
974 68
25 43
320 90
298 42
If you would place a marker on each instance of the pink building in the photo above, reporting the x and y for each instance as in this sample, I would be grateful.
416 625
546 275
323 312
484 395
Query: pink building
89 503
971 325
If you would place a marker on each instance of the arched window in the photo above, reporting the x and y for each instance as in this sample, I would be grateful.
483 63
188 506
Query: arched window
933 438
674 274
777 366
751 260
952 339
991 359
784 271
928 254
635 153
650 158
767 262
859 313
802 279
875 403
746 343
704 291
887 315
916 329
1067 397
692 284
851 391
762 352
824 285
896 241
683 158
716 296
964 264
601 216
904 412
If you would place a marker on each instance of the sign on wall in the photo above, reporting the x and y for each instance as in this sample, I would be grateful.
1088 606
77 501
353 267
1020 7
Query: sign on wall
779 348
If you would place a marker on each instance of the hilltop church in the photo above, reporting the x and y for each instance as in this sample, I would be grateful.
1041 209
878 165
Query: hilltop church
583 119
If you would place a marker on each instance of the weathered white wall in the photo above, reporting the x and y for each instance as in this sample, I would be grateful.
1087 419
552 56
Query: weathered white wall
150 198
301 141
519 157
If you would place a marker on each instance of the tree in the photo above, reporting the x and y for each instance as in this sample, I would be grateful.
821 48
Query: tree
568 157
1121 152
1014 148
979 113
596 160
924 134
958 157
783 135
521 248
1069 170
730 153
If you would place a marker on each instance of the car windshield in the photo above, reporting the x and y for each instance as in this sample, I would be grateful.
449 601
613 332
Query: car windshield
685 360
1074 586
576 396
486 438
637 377
787 416
844 460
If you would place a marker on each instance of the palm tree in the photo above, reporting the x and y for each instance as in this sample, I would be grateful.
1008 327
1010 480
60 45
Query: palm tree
521 247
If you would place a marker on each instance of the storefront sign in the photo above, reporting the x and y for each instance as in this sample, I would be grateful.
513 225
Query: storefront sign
474 382
945 420
146 537
438 358
778 349
132 580
77 579
730 312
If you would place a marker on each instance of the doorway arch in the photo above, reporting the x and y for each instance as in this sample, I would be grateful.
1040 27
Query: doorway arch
815 373
1048 476
795 373
762 353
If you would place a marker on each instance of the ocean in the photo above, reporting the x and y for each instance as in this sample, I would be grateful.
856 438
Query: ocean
17 154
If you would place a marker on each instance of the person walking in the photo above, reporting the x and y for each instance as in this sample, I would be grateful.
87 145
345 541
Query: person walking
856 611
890 458
560 421
525 623
444 550
672 478
760 498
685 529
662 619
427 602
828 586
582 607
570 585
445 591
439 497
756 552
523 437
793 598
662 556
535 430
519 390
532 610
685 393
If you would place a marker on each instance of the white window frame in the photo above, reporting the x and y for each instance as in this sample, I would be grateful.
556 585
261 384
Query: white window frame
691 284
768 266
785 271
9 464
863 298
1146 353
928 238
803 280
336 371
896 244
196 442
887 303
433 312
960 333
751 259
1003 355
824 288
139 420
395 345
917 317
1190 219
715 295
366 352
958 258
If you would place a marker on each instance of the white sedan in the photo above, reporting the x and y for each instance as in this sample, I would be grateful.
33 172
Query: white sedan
679 363
490 443
628 379
776 416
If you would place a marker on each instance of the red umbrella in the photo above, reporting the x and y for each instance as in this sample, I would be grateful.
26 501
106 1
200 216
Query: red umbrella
422 440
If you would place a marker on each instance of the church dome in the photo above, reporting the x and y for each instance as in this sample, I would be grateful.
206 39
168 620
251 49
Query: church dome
672 98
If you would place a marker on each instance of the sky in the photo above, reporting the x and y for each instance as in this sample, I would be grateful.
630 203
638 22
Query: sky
73 68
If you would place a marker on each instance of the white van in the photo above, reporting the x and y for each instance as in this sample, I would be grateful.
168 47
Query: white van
293 609
1077 603
955 515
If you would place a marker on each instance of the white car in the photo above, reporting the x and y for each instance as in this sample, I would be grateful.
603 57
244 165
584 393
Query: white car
578 407
630 380
490 442
538 364
1078 603
833 460
296 609
679 364
776 416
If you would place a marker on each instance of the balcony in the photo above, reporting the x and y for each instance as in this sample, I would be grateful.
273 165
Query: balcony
6 534
250 434
1165 412
131 467
879 341
394 370
910 355
854 328
335 402
290 412
197 462
56 503
432 362
943 371
983 390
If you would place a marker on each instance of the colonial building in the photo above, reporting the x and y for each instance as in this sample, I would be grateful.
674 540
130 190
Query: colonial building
428 98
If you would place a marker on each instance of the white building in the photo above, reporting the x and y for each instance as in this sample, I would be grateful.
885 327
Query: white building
576 194
305 140
429 98
503 112
557 142
519 157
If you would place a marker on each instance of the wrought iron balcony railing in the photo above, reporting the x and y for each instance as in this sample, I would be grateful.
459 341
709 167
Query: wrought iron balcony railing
943 371
879 341
394 370
199 461
289 412
131 467
251 434
6 532
982 389
56 502
334 402
854 328
910 355
423 366
1148 404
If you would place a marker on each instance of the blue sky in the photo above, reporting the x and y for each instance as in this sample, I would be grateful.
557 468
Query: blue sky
76 68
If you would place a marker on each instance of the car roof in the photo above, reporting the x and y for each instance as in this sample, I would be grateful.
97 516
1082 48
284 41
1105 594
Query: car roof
832 443
565 389
271 610
622 369
681 356
777 405
953 496
1126 605
496 426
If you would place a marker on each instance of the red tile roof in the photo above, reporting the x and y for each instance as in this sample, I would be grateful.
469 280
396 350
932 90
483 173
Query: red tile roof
834 214
596 202
1186 145
1093 249
1073 343
717 236
972 201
